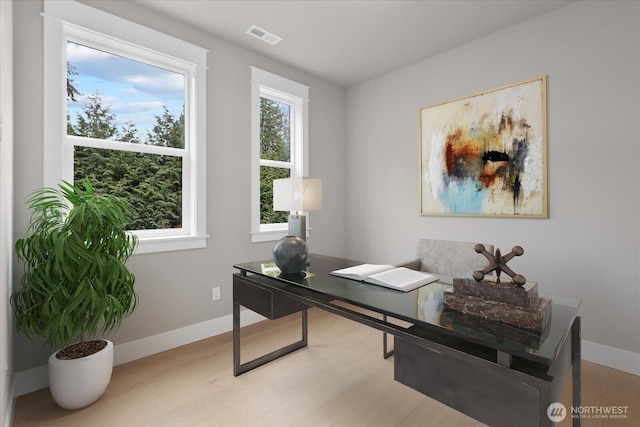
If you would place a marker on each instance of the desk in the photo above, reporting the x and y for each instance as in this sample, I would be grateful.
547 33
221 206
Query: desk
497 374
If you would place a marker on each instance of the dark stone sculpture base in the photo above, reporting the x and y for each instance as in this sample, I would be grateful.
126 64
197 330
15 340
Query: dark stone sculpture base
470 324
536 317
505 291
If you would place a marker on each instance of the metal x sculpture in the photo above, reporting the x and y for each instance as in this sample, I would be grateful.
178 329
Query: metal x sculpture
498 263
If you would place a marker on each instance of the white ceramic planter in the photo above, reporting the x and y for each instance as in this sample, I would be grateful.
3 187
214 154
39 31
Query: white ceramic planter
77 383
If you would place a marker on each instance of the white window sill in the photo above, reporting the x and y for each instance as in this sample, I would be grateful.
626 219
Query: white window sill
268 235
148 245
271 235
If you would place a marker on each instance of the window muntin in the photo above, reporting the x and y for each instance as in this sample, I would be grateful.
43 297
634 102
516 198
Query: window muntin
186 63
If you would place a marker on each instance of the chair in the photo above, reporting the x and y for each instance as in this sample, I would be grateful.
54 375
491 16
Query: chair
444 258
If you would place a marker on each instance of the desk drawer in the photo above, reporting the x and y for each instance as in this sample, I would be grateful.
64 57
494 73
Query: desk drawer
492 396
268 303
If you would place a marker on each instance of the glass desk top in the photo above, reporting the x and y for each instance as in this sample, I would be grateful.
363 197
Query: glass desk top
424 307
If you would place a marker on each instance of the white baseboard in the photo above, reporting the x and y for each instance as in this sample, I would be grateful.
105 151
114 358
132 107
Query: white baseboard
144 347
37 378
7 421
30 380
611 357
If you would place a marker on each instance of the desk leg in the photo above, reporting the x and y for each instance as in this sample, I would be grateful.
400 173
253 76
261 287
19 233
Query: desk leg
386 354
576 367
305 327
240 368
236 339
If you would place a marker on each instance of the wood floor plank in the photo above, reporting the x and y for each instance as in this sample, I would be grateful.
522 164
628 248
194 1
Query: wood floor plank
340 380
604 388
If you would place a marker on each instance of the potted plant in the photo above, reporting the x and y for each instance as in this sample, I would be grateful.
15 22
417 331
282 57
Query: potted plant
75 285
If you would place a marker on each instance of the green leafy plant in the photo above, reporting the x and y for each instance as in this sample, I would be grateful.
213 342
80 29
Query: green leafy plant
75 282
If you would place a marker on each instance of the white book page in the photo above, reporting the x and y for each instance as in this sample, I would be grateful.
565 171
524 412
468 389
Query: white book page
362 271
402 278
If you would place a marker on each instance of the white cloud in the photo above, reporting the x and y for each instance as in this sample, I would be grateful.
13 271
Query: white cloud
137 107
166 83
98 68
84 99
79 53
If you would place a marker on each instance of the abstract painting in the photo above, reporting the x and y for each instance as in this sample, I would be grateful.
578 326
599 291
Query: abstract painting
485 154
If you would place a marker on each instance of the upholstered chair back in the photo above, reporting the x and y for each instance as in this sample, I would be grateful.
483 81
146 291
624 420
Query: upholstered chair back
449 258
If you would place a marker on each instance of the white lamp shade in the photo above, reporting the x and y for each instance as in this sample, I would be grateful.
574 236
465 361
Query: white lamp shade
297 194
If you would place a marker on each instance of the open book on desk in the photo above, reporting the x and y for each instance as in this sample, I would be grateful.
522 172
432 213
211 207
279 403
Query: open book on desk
389 276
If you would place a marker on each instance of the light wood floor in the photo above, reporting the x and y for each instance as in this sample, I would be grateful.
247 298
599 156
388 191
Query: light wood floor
341 379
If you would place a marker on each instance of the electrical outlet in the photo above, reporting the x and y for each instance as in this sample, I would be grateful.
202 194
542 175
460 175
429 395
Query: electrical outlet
216 294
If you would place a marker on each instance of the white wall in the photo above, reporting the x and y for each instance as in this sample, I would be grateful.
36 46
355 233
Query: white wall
6 206
589 246
175 288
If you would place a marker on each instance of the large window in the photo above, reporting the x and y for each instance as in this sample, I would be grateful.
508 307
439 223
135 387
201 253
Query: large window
279 146
133 120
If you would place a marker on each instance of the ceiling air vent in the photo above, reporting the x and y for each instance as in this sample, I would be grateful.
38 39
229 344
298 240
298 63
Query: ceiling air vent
263 35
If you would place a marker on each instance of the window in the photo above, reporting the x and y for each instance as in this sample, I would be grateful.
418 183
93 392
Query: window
278 146
125 106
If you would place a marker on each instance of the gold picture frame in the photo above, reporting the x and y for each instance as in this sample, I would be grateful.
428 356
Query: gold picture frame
486 154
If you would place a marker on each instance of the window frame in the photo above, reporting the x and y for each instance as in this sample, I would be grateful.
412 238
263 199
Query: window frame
281 89
71 21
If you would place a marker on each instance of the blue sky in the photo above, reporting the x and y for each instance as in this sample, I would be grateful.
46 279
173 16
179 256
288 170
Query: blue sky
134 91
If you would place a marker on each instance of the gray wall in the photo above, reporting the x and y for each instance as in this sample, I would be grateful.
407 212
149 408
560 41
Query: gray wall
175 288
589 246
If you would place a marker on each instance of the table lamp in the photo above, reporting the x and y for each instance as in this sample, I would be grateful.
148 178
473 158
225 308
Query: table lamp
297 195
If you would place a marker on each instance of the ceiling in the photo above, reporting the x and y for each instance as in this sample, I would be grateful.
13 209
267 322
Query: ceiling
350 42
